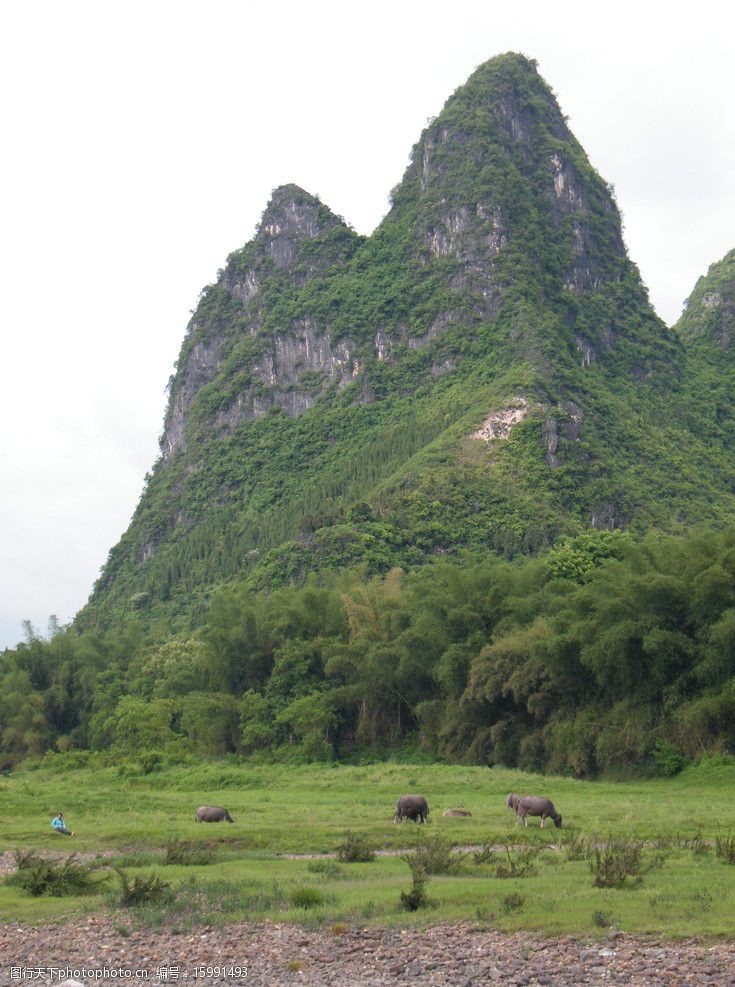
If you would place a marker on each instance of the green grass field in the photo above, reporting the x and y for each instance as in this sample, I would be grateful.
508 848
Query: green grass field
282 809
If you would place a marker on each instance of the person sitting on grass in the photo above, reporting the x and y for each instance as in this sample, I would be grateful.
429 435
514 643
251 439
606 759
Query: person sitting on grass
60 826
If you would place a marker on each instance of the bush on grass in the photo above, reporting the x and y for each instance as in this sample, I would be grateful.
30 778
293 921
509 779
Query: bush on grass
141 890
306 897
725 849
185 854
416 898
40 876
512 902
574 845
355 848
601 919
327 868
620 864
437 856
517 863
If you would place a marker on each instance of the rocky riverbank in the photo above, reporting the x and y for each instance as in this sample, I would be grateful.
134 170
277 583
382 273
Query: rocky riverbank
97 950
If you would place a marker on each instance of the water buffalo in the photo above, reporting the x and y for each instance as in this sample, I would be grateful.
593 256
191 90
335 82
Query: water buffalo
456 812
533 805
212 813
412 807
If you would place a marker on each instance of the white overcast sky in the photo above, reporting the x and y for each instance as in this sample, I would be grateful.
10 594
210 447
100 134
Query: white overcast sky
141 140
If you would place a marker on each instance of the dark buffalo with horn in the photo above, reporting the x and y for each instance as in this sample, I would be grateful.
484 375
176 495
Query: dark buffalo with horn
213 813
533 805
414 807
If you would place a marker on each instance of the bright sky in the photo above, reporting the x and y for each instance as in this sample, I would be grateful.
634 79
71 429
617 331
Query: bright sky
141 141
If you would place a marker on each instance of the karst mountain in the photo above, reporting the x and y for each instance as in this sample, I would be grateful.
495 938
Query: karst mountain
483 373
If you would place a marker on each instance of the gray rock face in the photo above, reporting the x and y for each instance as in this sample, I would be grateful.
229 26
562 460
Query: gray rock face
471 234
202 363
551 438
291 373
295 369
605 516
291 217
718 310
567 426
244 288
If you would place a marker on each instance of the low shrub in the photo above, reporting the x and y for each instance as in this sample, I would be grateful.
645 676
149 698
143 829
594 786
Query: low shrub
512 902
64 760
485 854
484 915
574 845
668 760
150 761
517 863
141 890
725 849
355 848
40 876
703 900
327 868
697 844
203 903
306 897
416 898
186 854
620 864
437 856
603 920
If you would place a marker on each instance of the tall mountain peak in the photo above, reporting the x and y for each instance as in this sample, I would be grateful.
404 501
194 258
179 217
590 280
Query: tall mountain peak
498 182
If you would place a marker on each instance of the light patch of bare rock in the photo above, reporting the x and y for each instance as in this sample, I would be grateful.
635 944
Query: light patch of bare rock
499 424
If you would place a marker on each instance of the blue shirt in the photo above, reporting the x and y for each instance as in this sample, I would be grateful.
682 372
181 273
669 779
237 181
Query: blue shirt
58 823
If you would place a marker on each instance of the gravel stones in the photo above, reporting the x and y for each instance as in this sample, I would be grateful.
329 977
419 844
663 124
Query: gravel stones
456 955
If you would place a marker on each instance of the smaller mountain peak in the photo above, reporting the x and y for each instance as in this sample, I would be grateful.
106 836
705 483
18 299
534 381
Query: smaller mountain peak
292 216
709 313
291 194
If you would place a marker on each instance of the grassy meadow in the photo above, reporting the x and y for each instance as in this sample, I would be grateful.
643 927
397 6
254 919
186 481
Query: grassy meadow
242 871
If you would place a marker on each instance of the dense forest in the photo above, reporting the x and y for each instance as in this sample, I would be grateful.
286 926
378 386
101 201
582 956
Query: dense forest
604 655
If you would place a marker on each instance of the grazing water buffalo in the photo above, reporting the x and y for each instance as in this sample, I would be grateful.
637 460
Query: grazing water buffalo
212 813
413 807
533 805
456 812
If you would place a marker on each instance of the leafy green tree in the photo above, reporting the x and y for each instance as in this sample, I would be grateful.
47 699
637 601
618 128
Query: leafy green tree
210 721
140 724
256 722
23 727
313 720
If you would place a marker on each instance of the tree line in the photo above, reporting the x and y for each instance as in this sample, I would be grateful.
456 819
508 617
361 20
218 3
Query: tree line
605 655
